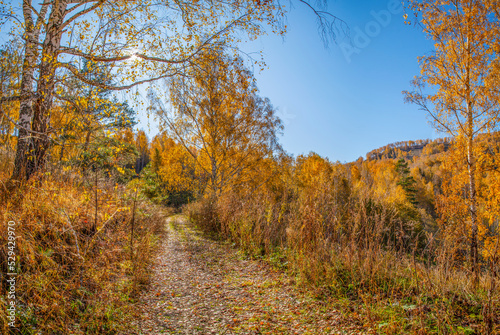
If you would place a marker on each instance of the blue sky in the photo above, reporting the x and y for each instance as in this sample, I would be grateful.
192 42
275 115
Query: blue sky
346 100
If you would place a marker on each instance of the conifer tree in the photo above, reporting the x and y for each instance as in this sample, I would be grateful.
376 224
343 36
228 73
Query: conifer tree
406 181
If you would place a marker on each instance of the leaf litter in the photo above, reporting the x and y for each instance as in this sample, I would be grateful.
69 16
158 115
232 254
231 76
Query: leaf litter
202 286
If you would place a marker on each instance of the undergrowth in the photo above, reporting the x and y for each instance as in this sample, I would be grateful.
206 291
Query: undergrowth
83 252
361 255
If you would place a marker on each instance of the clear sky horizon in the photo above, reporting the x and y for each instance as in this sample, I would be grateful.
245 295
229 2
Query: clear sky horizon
344 101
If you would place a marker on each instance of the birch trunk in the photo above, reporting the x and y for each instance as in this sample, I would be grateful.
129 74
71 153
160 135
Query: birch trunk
471 169
45 89
24 142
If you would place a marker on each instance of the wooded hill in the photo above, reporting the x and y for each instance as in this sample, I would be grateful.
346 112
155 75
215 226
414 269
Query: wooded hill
409 149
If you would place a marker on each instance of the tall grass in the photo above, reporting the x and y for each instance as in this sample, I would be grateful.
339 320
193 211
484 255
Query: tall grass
76 271
349 245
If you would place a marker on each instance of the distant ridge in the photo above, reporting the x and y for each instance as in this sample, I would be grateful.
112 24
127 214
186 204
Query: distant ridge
409 149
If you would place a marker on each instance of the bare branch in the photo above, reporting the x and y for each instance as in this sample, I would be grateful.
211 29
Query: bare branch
81 77
9 99
327 23
74 52
83 12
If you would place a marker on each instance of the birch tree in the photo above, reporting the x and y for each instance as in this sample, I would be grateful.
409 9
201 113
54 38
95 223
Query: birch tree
220 120
459 83
10 63
140 41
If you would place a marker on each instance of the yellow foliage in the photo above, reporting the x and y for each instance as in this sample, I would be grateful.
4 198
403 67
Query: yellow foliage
221 122
173 164
453 204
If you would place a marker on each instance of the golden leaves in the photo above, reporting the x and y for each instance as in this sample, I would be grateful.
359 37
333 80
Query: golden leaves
453 205
220 120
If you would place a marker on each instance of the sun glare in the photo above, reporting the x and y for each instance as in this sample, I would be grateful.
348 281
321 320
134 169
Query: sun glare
133 54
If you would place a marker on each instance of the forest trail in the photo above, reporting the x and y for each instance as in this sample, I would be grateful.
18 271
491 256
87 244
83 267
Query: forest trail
201 286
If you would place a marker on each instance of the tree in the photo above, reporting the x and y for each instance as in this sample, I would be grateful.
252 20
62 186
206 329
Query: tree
10 62
451 208
406 180
57 40
142 145
174 170
220 120
140 41
88 109
462 74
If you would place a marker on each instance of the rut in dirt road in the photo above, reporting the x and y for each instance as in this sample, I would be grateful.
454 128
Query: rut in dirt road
201 286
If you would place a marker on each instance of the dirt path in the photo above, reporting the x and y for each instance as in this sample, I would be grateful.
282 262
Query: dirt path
203 287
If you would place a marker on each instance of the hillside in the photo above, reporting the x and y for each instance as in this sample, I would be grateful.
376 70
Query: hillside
410 149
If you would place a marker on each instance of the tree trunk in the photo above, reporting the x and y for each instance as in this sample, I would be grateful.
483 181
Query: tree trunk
43 102
214 177
61 153
87 140
471 169
24 156
23 148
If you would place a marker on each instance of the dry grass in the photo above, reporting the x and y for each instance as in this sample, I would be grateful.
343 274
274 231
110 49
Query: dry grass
79 270
378 264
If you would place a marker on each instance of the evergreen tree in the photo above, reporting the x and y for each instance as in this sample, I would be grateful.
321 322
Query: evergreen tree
406 181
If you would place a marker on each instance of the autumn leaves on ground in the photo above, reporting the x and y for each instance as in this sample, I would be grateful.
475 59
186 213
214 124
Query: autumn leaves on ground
202 286
404 241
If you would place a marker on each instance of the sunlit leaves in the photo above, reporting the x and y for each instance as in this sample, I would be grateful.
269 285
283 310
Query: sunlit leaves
462 78
220 120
